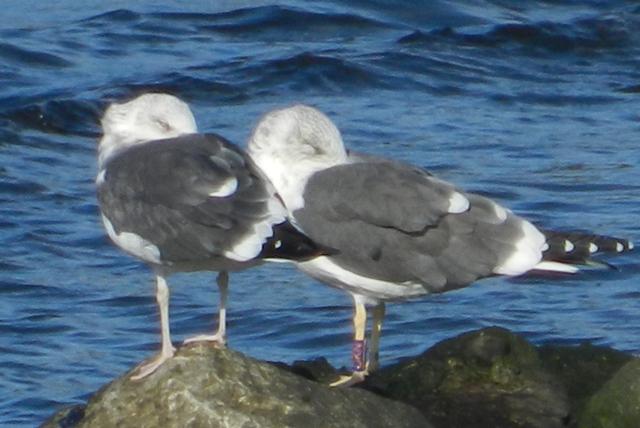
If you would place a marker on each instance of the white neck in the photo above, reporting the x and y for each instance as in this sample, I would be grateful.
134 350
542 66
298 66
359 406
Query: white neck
292 144
109 146
289 178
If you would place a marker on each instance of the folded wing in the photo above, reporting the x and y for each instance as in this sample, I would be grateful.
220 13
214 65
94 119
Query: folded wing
397 223
190 197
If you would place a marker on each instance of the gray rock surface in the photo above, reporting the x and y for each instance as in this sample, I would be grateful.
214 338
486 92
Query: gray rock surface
490 378
203 386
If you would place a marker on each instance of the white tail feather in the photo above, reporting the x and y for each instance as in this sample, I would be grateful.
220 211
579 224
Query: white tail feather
556 267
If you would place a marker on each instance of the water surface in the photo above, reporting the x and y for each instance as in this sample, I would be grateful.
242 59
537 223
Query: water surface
534 103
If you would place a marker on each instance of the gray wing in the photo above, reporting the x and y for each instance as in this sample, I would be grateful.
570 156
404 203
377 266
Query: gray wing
385 194
393 222
193 197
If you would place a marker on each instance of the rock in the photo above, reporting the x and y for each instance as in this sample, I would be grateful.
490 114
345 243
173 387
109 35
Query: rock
487 378
318 370
617 403
67 417
583 370
203 386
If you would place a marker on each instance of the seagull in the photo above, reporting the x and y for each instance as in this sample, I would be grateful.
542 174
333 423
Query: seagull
399 231
182 201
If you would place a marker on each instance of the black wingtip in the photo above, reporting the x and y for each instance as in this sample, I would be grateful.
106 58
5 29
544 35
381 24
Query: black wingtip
289 243
579 248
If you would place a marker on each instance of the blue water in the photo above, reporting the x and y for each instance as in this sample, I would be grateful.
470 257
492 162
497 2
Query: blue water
535 103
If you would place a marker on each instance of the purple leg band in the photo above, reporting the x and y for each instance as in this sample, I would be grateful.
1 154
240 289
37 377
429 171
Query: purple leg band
358 354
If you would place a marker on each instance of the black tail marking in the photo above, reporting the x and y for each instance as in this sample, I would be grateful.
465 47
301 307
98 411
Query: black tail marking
579 248
289 243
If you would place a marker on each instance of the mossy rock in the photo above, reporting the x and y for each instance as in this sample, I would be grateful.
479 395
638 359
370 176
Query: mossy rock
486 378
617 403
583 370
203 386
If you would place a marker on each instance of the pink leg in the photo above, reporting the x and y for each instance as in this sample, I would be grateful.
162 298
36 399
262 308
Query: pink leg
221 334
167 351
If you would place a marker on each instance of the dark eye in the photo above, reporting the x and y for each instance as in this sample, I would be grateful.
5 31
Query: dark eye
315 149
164 125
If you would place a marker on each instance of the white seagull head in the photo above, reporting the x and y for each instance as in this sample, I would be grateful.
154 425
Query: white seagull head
299 132
291 144
145 118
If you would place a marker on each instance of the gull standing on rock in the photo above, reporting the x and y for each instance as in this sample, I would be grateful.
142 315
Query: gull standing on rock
182 201
399 231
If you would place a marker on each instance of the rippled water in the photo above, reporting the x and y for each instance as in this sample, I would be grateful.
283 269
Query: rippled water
535 103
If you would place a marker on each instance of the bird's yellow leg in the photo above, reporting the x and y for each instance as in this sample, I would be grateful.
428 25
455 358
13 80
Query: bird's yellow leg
359 351
374 347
